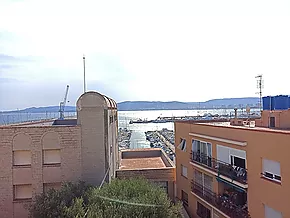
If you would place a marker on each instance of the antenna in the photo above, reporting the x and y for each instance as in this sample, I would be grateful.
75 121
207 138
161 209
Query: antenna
84 60
260 86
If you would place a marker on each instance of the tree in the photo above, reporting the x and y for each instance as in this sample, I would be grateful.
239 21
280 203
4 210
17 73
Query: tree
120 198
58 203
131 198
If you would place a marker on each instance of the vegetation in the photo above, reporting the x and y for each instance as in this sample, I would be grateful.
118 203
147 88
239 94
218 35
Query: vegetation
120 198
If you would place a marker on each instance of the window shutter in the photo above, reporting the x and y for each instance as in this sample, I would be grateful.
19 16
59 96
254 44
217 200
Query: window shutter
184 145
198 177
271 167
194 145
184 171
209 149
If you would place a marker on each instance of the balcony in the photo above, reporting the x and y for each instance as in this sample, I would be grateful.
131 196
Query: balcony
235 173
227 203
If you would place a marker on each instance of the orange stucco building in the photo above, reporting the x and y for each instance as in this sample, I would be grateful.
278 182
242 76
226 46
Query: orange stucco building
41 155
235 169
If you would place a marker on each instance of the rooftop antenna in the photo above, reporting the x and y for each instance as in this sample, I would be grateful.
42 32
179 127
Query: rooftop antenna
84 61
260 86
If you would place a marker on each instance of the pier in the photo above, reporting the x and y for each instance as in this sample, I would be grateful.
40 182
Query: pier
179 118
161 139
208 116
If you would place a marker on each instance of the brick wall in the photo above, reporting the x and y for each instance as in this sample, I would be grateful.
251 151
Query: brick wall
69 169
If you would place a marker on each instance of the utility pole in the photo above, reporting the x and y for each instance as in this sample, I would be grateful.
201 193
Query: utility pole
260 86
84 61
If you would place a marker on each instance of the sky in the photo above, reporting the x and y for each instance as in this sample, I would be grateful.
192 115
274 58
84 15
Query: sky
160 50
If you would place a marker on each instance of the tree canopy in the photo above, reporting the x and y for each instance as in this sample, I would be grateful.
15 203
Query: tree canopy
120 198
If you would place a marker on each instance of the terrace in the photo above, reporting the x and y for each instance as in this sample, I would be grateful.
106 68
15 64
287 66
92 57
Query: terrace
229 202
221 168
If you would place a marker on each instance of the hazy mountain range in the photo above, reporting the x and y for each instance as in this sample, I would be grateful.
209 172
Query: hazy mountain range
160 105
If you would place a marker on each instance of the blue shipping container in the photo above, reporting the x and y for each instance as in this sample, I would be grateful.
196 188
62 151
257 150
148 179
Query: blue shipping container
266 103
272 102
289 102
281 102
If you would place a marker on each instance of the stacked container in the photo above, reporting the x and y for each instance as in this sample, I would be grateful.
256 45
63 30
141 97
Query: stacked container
281 102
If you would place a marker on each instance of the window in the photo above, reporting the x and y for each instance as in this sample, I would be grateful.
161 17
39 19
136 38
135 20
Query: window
184 197
198 177
163 185
201 147
231 155
207 182
184 171
111 119
202 211
271 213
182 145
239 162
48 186
204 180
22 192
271 170
21 158
115 117
51 156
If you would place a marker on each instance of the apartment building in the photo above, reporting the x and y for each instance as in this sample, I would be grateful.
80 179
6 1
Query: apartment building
237 168
37 156
150 163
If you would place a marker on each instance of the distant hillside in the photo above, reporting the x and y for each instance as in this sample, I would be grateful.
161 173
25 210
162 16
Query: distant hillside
175 105
159 105
44 109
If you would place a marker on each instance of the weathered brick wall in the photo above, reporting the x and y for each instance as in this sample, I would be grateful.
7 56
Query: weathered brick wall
70 168
6 188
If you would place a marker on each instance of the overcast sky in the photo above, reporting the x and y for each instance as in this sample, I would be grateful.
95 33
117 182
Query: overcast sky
142 50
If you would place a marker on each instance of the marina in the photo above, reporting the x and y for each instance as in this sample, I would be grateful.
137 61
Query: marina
124 136
206 116
162 139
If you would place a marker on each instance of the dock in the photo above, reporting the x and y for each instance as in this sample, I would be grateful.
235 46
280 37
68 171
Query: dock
179 118
161 139
166 141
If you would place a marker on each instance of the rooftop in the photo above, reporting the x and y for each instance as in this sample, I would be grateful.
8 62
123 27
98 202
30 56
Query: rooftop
250 127
146 158
42 123
146 162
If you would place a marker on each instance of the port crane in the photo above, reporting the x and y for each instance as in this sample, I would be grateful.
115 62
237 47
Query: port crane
62 104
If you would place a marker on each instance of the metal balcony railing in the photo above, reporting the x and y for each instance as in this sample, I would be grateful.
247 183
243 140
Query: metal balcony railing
235 173
224 204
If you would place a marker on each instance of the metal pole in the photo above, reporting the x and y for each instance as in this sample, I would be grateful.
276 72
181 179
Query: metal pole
84 60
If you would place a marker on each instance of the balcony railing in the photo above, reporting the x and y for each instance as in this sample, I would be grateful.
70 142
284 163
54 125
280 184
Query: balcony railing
235 173
222 203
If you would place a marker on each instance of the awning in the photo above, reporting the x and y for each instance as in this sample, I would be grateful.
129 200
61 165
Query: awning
238 188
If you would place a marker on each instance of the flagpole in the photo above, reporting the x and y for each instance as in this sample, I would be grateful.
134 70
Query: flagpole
84 60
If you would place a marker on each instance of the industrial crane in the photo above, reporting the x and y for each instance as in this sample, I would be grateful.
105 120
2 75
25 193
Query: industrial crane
62 104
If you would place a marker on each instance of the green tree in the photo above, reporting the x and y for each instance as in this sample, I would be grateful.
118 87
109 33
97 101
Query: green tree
121 198
58 203
131 198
